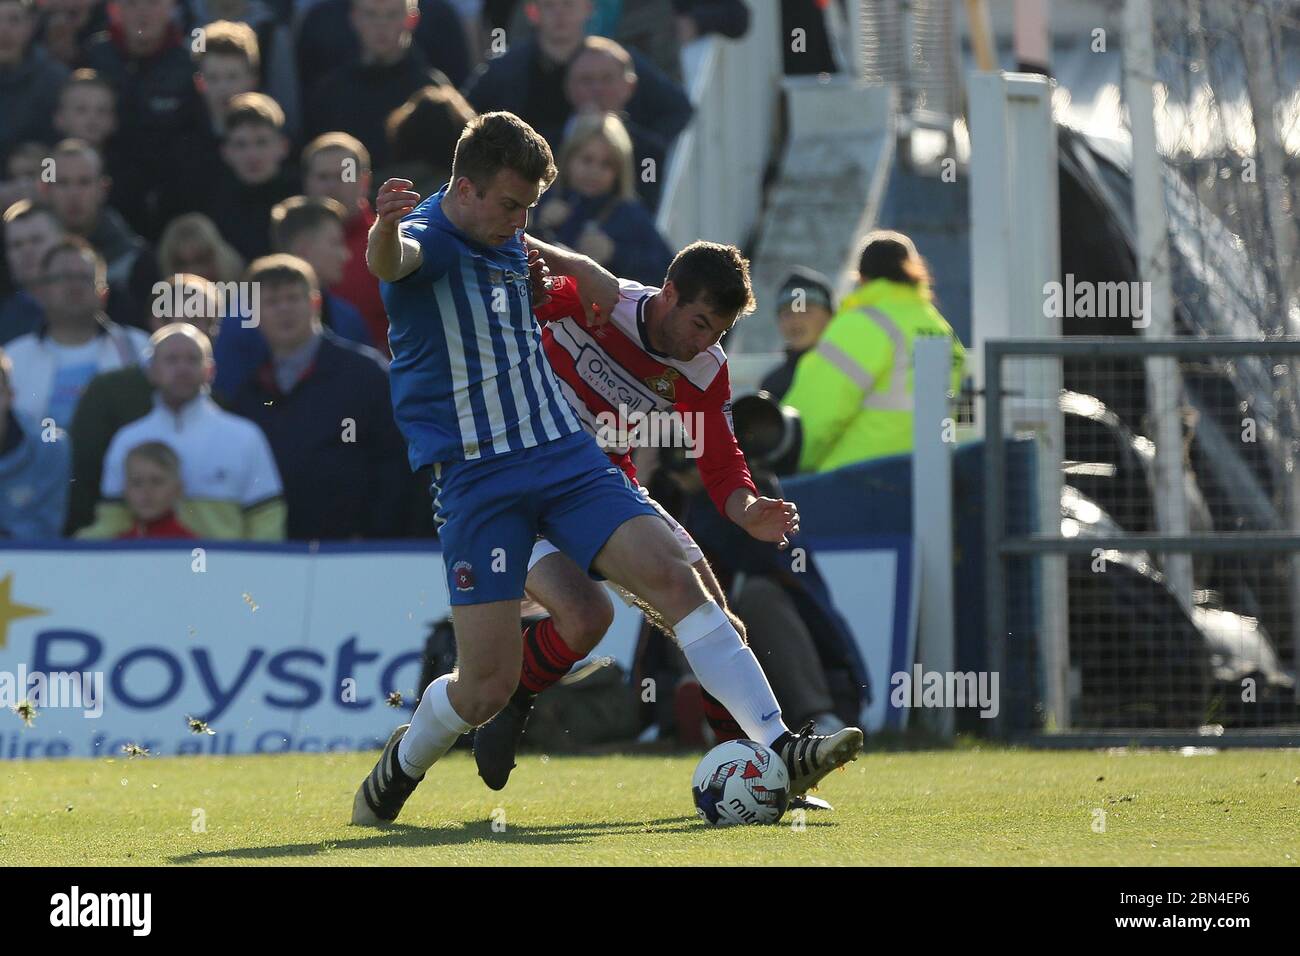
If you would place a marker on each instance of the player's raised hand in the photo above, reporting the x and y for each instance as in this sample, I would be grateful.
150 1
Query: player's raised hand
395 200
771 519
539 274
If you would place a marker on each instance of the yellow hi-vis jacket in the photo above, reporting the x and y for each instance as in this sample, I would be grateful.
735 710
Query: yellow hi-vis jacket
854 390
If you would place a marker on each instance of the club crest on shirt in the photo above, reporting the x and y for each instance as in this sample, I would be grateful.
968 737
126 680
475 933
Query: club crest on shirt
665 383
462 573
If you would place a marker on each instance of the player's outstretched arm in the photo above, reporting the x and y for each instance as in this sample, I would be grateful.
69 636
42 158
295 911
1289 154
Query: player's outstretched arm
596 284
390 255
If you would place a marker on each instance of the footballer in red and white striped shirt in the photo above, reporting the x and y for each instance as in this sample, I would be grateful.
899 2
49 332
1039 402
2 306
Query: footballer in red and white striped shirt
655 355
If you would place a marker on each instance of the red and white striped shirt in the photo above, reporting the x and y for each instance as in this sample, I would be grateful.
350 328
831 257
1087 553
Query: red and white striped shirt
612 371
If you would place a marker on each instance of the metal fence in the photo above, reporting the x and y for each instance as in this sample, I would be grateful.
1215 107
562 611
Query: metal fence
1091 637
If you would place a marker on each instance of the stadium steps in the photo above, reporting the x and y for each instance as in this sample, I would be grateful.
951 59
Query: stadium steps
828 189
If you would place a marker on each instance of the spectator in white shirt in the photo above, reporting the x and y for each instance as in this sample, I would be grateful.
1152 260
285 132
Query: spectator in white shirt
232 486
76 341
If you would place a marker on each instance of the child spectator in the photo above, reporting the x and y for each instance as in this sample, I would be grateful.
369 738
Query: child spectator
34 466
87 109
232 486
29 78
226 66
254 148
336 165
30 231
593 207
274 68
602 78
358 96
153 490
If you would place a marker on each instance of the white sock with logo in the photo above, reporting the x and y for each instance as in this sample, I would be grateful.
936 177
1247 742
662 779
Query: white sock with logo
435 726
728 670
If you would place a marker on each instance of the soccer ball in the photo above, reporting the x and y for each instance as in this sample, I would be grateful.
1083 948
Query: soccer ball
740 782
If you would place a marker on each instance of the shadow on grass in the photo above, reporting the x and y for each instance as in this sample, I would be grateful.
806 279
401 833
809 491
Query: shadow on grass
400 835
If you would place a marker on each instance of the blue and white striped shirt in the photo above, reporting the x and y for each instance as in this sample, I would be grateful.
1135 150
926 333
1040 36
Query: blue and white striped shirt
469 376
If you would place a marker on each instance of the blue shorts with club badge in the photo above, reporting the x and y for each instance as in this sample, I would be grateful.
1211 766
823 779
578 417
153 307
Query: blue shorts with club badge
490 512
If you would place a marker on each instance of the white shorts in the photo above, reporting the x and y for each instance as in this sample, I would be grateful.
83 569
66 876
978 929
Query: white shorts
543 547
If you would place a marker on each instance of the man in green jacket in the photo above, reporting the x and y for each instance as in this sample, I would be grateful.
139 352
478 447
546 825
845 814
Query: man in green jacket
853 391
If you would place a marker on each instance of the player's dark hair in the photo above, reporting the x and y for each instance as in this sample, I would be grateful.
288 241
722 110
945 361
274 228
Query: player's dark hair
891 255
297 215
715 273
496 141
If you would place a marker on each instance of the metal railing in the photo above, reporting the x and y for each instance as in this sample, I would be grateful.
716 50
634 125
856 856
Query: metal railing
1149 665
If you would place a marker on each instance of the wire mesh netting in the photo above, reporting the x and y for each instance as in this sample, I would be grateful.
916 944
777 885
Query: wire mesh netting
1136 651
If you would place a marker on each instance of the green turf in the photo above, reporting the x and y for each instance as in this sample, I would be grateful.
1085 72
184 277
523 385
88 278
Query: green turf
946 807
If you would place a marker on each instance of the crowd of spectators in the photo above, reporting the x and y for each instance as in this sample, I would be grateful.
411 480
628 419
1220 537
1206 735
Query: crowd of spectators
190 335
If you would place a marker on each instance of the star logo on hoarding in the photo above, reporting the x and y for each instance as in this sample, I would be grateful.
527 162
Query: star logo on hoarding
12 611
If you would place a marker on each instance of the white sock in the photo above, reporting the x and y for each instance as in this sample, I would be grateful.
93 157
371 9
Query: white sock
728 670
435 726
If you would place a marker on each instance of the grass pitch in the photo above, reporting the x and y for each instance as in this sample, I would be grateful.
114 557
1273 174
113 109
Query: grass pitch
963 807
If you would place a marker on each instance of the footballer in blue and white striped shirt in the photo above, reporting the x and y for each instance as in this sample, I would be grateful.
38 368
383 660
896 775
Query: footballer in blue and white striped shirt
476 399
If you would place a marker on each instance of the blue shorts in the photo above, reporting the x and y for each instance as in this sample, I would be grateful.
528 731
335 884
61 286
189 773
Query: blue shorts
490 511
